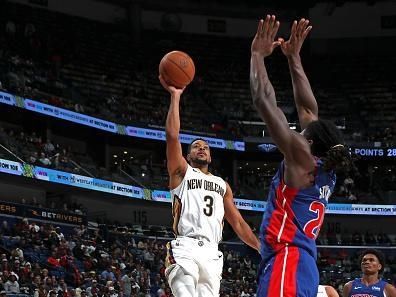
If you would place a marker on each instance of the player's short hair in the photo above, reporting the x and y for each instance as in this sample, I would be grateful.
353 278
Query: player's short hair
380 256
194 140
328 144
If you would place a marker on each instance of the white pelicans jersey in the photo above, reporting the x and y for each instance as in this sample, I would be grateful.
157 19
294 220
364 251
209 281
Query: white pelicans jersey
198 206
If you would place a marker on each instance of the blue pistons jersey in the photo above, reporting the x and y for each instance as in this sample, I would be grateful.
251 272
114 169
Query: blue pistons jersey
359 289
290 226
294 216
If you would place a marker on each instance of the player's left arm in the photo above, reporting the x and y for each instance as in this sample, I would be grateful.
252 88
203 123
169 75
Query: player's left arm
238 224
347 289
390 290
331 292
306 104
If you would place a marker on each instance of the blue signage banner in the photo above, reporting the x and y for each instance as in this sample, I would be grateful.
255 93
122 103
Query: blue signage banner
185 138
86 120
361 209
253 205
56 176
162 196
80 181
374 152
11 167
70 115
332 208
6 98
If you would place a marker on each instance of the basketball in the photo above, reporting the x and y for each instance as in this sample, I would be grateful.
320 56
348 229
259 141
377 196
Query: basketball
177 69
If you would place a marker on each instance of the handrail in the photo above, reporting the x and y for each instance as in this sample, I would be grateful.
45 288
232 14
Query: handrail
82 168
132 178
13 154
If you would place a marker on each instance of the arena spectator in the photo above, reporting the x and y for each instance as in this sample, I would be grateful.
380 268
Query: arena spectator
108 274
12 285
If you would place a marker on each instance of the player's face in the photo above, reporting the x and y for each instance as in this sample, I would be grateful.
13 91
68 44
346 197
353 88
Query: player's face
199 153
370 264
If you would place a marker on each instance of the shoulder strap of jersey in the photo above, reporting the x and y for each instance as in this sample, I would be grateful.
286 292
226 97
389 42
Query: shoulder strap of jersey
356 282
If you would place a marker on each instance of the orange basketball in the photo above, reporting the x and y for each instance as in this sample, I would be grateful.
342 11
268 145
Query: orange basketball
177 69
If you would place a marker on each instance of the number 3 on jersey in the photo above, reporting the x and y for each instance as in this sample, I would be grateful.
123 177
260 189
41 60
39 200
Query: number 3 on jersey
312 227
208 209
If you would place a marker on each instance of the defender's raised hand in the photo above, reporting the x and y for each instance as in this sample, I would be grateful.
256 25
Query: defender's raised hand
263 43
299 32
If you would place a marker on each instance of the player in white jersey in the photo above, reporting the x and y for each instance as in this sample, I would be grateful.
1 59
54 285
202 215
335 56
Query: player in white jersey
327 291
200 203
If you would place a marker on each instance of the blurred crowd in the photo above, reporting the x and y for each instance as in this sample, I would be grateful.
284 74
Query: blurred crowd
42 260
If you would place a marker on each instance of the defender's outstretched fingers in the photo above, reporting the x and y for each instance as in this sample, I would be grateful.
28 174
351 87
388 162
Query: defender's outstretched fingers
309 28
265 25
303 27
293 31
271 26
300 27
275 30
260 28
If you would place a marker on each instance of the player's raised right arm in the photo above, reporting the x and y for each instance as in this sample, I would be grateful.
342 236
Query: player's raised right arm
294 146
263 93
176 163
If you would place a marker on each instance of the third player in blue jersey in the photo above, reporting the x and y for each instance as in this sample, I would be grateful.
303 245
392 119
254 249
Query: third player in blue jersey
372 263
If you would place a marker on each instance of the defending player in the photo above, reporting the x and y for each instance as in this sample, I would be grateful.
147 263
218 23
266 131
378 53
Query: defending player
200 203
372 263
306 178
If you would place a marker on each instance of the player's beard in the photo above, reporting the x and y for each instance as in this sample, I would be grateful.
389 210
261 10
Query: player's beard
200 161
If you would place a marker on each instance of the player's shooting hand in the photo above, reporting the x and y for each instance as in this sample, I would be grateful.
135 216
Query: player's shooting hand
171 89
263 43
299 32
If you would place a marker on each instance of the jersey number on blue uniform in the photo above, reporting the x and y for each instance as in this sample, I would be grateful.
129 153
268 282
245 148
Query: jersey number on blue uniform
312 227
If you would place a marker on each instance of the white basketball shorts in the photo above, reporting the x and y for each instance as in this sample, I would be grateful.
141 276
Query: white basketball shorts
198 258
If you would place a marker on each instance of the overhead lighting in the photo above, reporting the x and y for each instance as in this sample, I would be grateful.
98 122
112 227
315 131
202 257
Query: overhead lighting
123 160
115 156
143 174
125 152
131 157
115 163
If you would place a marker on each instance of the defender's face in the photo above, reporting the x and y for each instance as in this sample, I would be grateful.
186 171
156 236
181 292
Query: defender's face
370 264
199 153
